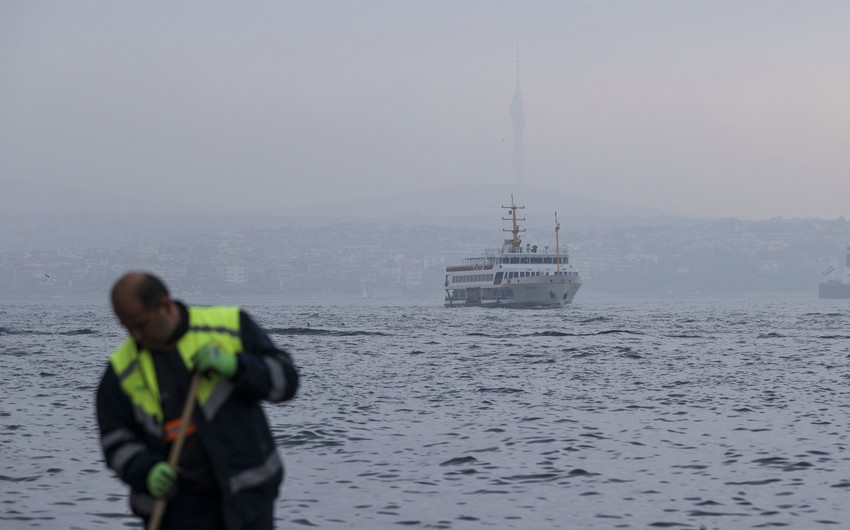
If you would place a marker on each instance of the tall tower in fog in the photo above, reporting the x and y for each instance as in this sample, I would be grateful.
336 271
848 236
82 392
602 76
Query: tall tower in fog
518 120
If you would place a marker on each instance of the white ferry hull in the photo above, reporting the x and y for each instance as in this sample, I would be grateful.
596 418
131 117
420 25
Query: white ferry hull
833 290
543 291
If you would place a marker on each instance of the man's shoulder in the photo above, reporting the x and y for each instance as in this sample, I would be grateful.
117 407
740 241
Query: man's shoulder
127 347
213 309
217 307
218 315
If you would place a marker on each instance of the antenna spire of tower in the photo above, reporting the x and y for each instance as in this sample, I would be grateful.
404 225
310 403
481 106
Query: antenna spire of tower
517 65
518 120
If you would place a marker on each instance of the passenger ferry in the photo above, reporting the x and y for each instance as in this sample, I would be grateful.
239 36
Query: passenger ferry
513 275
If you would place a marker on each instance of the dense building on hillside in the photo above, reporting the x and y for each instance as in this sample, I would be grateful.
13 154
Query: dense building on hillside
380 260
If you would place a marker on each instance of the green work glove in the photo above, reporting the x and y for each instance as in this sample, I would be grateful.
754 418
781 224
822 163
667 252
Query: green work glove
162 479
211 359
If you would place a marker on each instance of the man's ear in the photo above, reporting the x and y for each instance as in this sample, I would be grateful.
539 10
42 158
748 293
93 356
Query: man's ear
168 306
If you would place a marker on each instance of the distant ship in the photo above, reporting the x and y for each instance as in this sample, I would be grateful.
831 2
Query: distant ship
836 288
513 275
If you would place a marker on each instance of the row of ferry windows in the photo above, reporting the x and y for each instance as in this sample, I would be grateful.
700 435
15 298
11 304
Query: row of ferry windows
522 274
507 276
529 259
473 278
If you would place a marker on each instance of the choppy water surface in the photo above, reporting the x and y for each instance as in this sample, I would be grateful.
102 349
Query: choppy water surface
638 414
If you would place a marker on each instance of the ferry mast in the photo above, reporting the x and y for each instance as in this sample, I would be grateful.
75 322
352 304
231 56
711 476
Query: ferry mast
557 246
515 242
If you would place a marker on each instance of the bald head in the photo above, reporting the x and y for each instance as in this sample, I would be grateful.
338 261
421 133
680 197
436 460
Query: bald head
142 304
146 288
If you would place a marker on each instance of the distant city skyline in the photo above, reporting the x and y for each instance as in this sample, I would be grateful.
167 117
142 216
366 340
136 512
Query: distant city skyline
705 257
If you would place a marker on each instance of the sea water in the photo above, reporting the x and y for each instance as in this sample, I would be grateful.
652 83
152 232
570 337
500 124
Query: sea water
722 413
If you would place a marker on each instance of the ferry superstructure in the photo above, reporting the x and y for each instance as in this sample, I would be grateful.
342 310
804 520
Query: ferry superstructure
513 275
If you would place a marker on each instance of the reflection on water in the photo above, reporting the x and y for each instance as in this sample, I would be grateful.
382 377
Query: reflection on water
641 414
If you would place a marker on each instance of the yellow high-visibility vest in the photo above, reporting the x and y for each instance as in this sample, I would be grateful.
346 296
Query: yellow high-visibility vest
218 326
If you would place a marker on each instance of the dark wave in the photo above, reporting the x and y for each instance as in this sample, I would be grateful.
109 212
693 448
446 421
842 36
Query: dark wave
501 390
315 438
753 482
532 478
83 331
565 334
328 332
4 478
460 460
596 319
555 334
7 331
615 331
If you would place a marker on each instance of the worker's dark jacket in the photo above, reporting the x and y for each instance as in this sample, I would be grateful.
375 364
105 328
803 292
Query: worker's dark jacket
232 452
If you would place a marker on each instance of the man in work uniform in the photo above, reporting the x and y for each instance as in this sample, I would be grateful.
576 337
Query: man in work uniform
229 470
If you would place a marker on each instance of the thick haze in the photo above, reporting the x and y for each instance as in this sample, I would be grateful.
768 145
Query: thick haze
721 108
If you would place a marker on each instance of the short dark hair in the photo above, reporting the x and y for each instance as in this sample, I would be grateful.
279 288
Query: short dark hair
151 291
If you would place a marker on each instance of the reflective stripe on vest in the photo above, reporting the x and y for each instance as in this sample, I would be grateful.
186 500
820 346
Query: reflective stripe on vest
218 326
278 379
256 475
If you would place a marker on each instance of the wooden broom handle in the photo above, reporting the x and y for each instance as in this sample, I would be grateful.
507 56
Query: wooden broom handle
177 448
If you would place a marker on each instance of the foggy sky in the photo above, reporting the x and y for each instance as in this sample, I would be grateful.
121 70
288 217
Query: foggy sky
720 108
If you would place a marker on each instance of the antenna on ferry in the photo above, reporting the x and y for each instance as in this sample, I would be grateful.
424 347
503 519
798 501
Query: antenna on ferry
557 246
515 242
